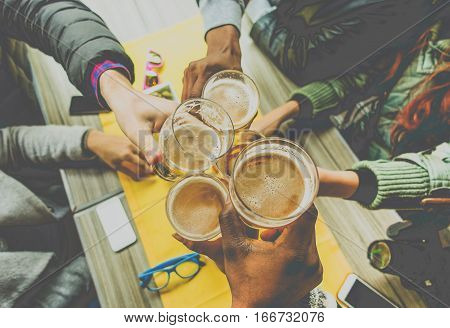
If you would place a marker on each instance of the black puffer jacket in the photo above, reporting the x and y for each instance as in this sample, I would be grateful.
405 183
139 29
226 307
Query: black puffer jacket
67 30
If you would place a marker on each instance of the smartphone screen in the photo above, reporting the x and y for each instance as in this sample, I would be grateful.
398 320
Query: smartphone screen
85 106
361 296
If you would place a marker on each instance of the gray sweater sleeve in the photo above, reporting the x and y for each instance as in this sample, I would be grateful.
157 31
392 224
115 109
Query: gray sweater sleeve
41 145
221 12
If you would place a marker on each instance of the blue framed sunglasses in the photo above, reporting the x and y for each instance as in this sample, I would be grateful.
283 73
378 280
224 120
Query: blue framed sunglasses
185 266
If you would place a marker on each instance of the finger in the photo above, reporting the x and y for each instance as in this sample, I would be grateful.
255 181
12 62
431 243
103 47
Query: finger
187 84
197 88
208 248
231 226
133 170
271 234
148 145
128 171
303 229
143 168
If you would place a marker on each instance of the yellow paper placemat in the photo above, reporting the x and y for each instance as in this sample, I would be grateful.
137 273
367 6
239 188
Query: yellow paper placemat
178 46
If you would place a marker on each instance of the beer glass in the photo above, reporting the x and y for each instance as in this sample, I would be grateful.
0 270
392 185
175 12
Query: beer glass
193 138
273 182
241 140
193 206
236 93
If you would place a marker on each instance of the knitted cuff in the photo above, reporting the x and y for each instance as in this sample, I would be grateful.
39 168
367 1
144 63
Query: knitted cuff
315 97
400 183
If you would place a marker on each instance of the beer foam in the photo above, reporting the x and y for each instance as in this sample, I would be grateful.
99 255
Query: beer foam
192 148
237 98
194 205
270 185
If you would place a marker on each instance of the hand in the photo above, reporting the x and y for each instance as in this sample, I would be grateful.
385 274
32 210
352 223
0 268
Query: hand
223 53
270 122
138 115
264 273
119 154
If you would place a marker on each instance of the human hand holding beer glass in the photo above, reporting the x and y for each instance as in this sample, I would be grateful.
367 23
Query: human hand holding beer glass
262 273
224 52
274 181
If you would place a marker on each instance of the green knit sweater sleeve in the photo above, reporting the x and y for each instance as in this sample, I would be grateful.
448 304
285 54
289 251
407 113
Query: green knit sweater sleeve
403 182
326 97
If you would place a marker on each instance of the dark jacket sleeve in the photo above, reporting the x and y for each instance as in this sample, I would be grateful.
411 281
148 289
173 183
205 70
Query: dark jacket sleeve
67 30
314 40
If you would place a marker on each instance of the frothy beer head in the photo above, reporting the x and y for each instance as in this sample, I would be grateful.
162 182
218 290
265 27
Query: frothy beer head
273 182
270 185
193 207
236 93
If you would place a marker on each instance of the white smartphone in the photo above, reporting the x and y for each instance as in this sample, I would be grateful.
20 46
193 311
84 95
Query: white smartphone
356 293
116 225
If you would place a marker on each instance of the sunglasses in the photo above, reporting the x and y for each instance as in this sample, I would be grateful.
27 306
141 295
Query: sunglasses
185 266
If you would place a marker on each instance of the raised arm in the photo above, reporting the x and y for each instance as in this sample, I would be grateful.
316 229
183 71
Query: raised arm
93 58
67 30
400 183
222 23
41 145
316 100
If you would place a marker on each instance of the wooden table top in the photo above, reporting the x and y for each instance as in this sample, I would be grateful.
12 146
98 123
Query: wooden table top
114 274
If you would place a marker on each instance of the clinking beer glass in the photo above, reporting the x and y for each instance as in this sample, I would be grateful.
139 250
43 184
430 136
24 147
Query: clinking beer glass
193 138
273 182
237 94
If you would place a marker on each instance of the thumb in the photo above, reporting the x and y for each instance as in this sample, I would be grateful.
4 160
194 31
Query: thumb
197 88
303 229
147 144
231 226
212 249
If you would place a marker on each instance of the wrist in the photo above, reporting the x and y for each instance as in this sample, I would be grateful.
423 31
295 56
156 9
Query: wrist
239 304
291 109
223 39
243 303
285 112
91 141
114 88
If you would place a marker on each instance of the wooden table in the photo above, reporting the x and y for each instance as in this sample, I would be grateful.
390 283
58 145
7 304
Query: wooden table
114 274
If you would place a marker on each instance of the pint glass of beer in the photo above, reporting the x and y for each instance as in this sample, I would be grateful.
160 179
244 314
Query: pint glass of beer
273 182
236 93
193 138
242 139
193 206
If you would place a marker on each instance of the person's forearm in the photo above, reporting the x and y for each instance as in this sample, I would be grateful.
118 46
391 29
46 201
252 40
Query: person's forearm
113 87
49 145
219 13
342 184
78 41
270 122
224 40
